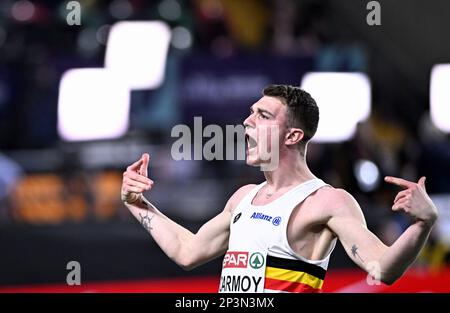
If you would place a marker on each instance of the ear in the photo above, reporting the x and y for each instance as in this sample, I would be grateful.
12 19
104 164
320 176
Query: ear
294 136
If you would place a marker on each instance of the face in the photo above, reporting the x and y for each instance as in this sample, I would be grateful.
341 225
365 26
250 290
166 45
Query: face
265 129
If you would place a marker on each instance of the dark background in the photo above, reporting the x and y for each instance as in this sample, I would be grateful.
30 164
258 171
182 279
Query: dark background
60 201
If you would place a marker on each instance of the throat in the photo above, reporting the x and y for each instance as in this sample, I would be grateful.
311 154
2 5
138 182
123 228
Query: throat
268 195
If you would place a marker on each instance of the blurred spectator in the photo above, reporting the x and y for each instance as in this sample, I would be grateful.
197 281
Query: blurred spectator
10 174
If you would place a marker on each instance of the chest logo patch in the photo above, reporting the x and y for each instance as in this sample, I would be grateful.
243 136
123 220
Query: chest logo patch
237 217
276 221
256 260
260 216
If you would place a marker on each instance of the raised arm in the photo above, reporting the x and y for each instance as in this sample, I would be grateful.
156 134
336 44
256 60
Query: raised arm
365 249
188 250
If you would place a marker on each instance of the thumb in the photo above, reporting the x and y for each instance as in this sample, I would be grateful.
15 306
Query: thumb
422 182
143 169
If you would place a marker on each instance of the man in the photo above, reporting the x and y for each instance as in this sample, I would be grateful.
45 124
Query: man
278 235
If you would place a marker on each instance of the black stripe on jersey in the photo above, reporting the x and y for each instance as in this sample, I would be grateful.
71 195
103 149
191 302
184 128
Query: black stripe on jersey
296 265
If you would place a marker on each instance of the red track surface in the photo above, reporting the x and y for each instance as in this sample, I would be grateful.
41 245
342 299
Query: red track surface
336 281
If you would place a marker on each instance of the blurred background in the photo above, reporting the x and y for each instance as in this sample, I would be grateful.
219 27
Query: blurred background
60 191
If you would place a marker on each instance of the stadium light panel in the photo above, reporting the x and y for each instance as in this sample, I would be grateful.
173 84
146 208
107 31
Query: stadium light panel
93 104
440 96
344 99
138 51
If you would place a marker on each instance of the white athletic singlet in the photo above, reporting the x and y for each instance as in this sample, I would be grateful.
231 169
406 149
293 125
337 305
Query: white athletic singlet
259 257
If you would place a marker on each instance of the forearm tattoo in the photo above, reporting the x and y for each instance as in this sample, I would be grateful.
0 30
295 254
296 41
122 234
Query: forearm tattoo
146 221
355 253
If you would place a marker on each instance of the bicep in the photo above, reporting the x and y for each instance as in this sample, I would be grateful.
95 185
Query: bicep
361 245
211 240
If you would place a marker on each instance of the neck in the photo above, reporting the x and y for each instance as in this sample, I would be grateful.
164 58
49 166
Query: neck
292 170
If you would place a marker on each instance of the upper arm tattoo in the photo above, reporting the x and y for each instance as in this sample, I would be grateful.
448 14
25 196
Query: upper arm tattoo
355 253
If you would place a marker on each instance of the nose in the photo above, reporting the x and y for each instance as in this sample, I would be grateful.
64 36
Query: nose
248 122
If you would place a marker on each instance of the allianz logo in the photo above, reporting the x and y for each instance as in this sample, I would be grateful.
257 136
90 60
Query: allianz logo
260 216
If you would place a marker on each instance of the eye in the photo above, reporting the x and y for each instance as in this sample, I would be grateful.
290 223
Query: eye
264 116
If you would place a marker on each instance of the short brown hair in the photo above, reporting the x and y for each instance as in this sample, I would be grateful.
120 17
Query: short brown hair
302 109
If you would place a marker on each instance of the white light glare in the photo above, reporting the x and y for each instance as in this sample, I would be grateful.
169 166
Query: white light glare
344 99
440 96
181 38
138 52
367 175
93 104
23 10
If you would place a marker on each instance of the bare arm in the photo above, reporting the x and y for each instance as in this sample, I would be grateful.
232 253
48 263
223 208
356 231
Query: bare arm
366 250
188 250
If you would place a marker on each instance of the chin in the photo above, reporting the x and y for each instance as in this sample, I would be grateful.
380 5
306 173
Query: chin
252 161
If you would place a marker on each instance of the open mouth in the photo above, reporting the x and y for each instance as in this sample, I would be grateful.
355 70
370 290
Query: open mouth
251 143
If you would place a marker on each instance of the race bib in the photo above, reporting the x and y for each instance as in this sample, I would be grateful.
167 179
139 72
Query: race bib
243 271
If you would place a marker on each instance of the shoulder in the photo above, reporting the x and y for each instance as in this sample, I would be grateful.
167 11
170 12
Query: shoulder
238 195
335 196
336 201
241 193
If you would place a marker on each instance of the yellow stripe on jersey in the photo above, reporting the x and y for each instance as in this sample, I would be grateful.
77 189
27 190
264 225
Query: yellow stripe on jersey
294 276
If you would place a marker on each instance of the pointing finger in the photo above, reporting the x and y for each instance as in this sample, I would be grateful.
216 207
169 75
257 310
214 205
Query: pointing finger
144 166
399 182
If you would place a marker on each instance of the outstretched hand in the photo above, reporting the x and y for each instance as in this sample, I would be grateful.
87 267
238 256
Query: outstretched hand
414 200
135 180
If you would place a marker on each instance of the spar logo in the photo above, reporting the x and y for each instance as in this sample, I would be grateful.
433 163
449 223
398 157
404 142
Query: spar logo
243 271
256 260
239 259
235 259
